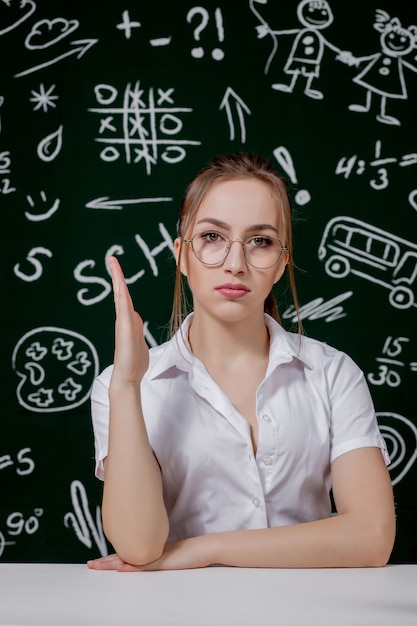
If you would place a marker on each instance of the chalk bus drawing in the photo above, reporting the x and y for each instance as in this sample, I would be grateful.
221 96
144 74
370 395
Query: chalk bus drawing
398 432
383 74
308 46
85 527
140 129
351 246
56 367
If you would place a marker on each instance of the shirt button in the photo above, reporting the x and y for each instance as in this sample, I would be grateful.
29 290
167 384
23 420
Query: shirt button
267 460
267 418
255 502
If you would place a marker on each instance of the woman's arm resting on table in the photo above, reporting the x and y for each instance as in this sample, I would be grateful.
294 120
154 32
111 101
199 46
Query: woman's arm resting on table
360 535
134 515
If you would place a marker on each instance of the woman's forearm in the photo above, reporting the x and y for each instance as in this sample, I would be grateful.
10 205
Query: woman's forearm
134 516
339 541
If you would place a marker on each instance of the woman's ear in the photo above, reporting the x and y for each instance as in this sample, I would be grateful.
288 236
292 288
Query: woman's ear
180 256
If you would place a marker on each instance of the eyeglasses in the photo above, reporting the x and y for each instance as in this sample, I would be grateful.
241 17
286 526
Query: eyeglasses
212 248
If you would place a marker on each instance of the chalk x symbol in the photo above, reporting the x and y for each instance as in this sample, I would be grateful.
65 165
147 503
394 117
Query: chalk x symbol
232 100
106 203
86 44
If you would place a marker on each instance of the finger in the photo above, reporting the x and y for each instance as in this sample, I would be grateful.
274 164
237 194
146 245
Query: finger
112 561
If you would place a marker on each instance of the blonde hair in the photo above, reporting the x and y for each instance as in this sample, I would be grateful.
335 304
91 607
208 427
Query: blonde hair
220 169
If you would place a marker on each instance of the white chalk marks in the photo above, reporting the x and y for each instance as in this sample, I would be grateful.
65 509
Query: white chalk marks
350 246
56 368
140 127
400 435
87 529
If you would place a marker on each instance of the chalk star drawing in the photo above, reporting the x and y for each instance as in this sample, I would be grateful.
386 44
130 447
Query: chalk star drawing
43 98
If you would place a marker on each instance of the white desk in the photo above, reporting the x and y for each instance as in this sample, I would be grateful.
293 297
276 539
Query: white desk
67 595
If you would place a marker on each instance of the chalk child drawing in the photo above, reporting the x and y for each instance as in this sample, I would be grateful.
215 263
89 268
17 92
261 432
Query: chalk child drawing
383 73
308 47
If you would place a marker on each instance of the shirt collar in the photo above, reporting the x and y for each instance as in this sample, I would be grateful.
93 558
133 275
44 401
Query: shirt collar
176 353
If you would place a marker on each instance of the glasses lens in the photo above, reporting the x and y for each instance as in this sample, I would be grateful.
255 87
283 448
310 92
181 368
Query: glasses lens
263 251
212 248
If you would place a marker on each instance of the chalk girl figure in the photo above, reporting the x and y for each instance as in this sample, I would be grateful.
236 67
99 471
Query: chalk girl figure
221 445
383 74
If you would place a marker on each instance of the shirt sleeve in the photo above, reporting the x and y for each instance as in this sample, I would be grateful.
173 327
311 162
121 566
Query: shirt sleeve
100 418
353 420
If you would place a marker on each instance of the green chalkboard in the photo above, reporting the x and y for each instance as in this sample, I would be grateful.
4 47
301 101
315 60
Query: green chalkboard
107 111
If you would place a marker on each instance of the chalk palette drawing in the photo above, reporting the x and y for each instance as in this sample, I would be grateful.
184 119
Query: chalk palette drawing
40 217
350 246
50 146
400 435
202 21
14 13
389 363
84 295
140 129
284 158
127 24
56 367
87 529
383 73
330 310
35 265
44 98
233 104
81 48
349 165
307 49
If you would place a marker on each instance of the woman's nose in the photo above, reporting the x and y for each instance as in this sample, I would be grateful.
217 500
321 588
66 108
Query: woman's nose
235 261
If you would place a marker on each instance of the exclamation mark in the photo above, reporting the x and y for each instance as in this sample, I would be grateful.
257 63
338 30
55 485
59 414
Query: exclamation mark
284 159
217 53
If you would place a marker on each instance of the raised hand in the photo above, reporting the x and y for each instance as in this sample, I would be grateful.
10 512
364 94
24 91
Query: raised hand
131 355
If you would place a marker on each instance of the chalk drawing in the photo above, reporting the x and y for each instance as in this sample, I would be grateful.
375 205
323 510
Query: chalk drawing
87 529
43 98
56 367
127 24
389 364
351 246
400 435
145 130
203 19
232 103
383 74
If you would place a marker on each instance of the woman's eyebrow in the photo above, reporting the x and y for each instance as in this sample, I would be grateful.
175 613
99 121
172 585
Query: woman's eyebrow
249 229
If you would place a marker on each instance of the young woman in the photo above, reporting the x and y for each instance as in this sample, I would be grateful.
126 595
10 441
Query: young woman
221 445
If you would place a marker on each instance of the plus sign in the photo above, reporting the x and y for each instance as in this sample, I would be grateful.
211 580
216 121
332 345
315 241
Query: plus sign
127 25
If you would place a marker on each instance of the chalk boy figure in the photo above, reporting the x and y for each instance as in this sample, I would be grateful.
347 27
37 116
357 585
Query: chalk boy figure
308 47
383 73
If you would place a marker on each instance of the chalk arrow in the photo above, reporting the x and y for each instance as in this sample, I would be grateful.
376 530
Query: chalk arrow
84 45
106 203
232 100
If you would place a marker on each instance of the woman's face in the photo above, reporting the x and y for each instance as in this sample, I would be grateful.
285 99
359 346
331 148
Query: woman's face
234 290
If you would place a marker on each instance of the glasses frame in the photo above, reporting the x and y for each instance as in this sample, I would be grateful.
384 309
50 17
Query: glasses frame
231 242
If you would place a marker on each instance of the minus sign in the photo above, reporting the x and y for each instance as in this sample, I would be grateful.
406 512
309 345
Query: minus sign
162 41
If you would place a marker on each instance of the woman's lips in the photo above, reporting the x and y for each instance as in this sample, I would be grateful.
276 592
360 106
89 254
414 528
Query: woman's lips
231 290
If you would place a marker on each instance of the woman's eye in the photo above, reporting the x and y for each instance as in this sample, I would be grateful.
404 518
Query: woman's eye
260 242
212 237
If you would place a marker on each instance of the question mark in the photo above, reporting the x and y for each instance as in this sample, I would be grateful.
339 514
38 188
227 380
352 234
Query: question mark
284 159
198 52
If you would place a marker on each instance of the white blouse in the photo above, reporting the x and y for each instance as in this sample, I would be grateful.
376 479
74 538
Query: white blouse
313 405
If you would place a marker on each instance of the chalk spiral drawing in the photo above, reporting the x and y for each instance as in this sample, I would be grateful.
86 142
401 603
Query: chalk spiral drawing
398 431
350 246
56 367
